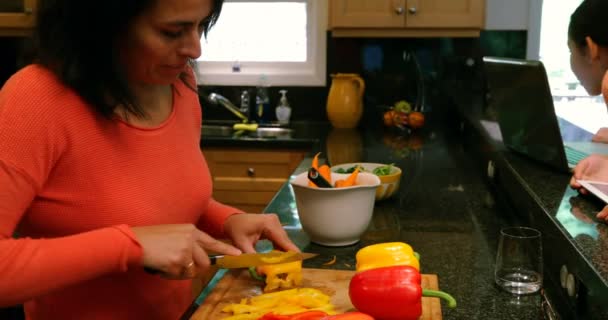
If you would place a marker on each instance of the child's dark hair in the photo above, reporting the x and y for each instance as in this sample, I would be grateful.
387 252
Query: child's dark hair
590 19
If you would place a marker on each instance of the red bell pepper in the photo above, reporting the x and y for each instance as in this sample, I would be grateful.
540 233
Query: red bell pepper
349 316
317 315
306 315
391 293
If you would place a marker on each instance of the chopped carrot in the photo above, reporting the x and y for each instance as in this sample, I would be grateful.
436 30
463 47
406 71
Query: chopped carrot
340 183
325 172
315 161
349 181
352 179
330 262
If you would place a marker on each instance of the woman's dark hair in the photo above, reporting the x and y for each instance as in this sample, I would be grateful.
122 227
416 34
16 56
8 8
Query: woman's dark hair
76 39
590 19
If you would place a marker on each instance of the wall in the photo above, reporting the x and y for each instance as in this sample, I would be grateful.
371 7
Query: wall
389 77
522 15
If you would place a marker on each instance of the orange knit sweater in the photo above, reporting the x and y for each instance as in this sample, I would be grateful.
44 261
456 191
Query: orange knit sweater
71 185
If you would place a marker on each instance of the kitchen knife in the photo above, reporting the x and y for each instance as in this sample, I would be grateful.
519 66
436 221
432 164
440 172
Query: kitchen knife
246 260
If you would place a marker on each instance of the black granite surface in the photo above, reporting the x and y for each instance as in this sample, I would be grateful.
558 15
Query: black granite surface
451 211
573 239
444 209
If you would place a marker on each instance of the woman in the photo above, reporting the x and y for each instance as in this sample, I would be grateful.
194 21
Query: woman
101 173
588 44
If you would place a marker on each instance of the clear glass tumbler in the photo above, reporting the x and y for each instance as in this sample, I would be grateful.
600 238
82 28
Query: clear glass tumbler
519 260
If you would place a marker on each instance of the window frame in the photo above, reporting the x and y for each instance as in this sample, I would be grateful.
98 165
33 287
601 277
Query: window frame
312 72
534 23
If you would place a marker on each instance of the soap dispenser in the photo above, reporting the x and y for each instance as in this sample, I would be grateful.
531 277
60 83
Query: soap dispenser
283 110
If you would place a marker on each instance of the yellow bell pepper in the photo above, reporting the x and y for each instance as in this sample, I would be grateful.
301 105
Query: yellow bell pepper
386 255
284 302
282 275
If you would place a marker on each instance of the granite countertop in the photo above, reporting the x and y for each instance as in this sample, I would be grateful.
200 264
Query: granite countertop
443 209
451 211
574 241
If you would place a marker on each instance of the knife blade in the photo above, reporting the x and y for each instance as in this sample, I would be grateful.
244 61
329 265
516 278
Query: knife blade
246 260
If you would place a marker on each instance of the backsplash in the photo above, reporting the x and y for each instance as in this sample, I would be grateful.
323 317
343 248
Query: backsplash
388 70
385 64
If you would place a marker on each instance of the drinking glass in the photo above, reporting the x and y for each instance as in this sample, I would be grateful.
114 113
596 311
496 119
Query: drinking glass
519 260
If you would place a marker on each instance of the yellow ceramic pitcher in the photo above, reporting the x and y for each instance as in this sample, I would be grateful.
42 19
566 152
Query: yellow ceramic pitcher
345 100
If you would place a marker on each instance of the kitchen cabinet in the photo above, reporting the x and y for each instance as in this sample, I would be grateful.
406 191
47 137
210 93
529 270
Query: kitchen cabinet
17 17
249 178
406 18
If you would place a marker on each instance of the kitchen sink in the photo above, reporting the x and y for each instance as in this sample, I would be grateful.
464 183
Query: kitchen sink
271 132
210 130
217 131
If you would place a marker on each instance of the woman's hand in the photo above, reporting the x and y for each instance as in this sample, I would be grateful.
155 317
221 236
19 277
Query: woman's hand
178 251
246 229
601 136
594 167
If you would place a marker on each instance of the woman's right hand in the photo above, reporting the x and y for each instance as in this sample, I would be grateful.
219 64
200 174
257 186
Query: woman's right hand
178 251
594 167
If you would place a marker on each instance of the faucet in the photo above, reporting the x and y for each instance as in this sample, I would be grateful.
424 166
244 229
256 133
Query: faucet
224 102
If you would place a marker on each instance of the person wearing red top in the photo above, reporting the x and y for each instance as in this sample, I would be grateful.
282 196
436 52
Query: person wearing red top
588 43
101 174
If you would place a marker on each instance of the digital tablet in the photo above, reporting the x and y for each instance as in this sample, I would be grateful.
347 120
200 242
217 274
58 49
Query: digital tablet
598 188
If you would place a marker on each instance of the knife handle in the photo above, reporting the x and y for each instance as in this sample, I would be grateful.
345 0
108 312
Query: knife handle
213 259
317 179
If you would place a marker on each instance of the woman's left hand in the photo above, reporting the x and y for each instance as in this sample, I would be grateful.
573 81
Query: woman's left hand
246 229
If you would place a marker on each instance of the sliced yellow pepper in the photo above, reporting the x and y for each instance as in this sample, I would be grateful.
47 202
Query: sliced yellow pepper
386 255
282 276
281 302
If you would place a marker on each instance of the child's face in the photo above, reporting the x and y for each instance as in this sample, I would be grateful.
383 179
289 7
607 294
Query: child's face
587 70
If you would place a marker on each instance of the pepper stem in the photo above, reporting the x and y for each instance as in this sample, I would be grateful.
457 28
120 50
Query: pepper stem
255 275
440 294
417 255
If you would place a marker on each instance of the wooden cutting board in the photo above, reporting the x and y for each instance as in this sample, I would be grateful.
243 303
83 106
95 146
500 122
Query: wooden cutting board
237 284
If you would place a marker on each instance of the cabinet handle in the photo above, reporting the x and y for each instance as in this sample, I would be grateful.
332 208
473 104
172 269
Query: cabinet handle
399 10
412 10
251 172
28 10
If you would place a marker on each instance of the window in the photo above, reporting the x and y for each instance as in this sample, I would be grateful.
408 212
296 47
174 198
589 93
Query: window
283 40
571 101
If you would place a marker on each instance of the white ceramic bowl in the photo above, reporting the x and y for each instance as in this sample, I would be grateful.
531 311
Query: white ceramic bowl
335 216
389 183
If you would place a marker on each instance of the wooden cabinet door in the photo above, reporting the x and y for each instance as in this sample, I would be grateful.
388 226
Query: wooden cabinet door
249 179
17 13
445 13
367 14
